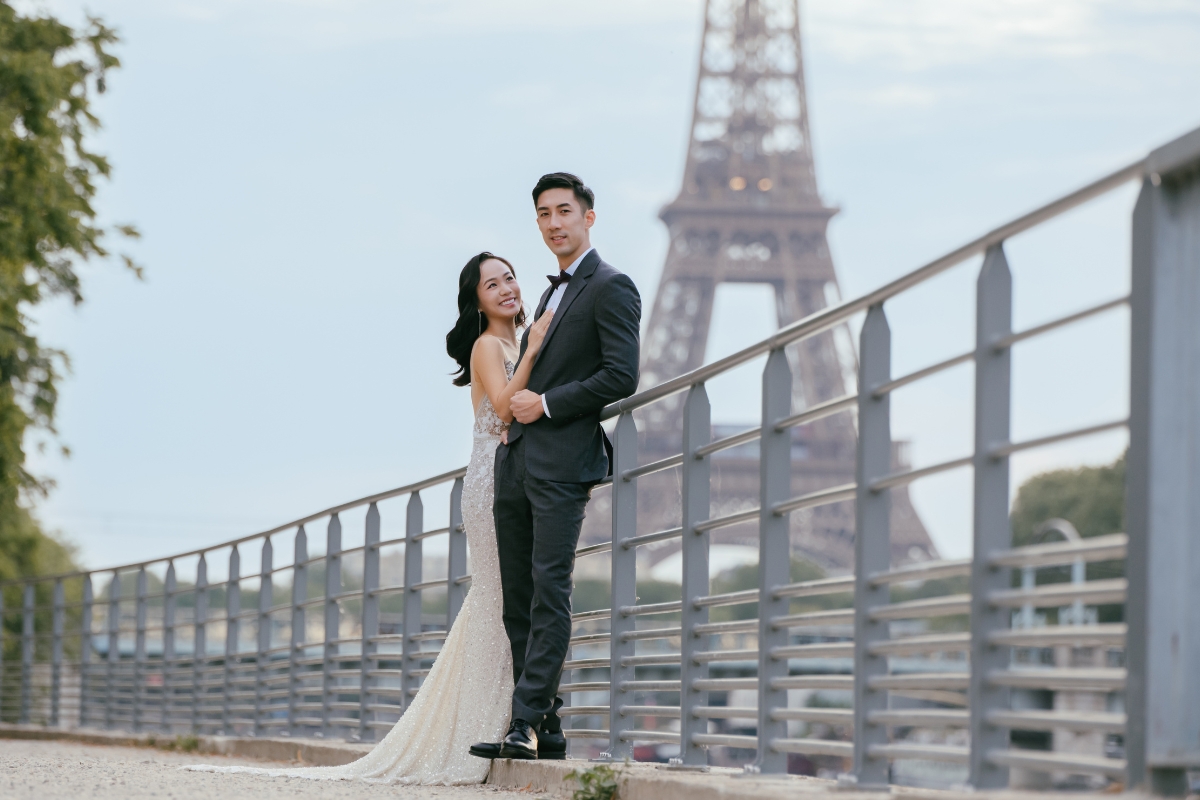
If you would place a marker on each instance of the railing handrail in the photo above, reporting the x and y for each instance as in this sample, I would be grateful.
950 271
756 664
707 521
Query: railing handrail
811 325
445 477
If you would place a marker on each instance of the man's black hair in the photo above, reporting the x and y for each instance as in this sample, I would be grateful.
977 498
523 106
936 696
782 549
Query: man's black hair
565 180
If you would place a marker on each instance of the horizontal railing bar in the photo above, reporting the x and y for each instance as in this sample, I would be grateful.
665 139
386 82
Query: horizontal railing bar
729 442
912 377
920 717
649 736
733 626
578 733
830 716
833 494
589 638
929 752
584 616
924 571
670 712
1074 635
709 656
819 411
1095 679
843 682
428 534
950 605
1013 338
649 686
652 467
592 549
814 618
1097 548
727 599
649 538
951 681
726 521
650 633
933 643
725 740
583 711
1057 594
725 712
657 660
813 747
1049 720
651 608
417 587
816 650
817 588
1059 762
1002 450
908 476
723 684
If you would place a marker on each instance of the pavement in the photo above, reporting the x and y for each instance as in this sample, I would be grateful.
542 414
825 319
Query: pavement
49 770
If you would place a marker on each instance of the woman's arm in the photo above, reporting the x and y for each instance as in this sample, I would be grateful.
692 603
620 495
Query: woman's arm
487 362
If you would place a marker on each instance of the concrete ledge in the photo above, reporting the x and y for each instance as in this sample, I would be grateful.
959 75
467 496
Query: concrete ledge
310 752
635 781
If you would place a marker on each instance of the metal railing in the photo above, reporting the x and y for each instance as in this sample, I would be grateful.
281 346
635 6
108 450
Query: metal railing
328 649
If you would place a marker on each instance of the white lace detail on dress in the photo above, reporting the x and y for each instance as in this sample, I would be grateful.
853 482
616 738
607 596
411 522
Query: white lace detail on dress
467 696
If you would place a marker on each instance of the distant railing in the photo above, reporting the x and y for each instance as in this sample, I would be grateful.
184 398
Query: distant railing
330 649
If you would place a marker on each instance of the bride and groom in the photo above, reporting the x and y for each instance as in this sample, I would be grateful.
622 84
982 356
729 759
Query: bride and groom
538 451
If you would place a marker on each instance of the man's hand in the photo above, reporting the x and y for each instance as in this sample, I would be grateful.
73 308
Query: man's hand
526 406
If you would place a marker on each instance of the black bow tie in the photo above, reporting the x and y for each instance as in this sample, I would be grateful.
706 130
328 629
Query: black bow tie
558 280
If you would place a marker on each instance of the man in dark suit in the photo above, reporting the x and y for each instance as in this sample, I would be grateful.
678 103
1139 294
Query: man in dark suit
556 453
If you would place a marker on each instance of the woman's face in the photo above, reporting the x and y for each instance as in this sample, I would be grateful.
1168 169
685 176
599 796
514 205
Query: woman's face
499 293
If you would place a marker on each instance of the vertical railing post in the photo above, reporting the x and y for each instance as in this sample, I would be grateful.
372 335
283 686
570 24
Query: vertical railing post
413 555
139 648
774 556
199 643
56 653
27 646
456 566
1162 693
333 619
697 432
297 638
262 663
624 583
233 607
993 392
872 543
370 620
114 649
85 648
170 586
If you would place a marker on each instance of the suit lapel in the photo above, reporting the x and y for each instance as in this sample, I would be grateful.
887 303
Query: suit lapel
575 286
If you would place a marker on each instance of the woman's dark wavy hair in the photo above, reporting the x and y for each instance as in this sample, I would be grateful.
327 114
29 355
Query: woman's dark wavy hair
471 321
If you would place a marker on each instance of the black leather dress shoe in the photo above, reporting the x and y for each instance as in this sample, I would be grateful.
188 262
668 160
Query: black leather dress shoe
520 742
552 746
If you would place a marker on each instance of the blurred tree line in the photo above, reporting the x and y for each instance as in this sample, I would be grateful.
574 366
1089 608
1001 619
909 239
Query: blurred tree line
49 73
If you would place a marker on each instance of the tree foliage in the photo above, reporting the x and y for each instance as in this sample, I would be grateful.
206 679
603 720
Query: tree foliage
1090 498
49 73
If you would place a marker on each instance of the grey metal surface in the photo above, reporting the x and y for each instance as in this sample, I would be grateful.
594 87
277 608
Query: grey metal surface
993 395
872 546
1163 737
695 506
624 585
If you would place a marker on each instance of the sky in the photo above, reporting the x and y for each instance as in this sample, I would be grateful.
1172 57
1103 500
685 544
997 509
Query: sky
310 176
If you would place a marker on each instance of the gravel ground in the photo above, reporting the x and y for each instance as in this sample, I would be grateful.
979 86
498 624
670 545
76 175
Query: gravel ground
52 770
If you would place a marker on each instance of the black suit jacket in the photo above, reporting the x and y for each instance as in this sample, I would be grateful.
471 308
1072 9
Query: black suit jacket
588 360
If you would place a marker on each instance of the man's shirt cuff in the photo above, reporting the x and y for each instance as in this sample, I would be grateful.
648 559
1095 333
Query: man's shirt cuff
545 408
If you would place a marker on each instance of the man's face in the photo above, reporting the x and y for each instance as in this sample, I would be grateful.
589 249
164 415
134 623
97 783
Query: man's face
563 222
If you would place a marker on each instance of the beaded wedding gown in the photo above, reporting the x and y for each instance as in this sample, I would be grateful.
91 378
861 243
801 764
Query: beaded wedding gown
467 696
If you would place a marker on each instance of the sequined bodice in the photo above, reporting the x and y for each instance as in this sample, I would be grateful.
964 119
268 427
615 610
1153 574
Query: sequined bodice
487 423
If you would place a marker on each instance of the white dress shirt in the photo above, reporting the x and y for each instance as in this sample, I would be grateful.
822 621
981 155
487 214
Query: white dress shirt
556 298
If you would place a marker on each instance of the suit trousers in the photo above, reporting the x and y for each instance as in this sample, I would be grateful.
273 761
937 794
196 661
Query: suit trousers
537 531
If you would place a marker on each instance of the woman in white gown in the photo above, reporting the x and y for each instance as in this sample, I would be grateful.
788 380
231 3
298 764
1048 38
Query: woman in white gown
467 696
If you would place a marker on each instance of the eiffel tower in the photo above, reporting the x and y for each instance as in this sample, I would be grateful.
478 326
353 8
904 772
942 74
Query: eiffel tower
749 212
